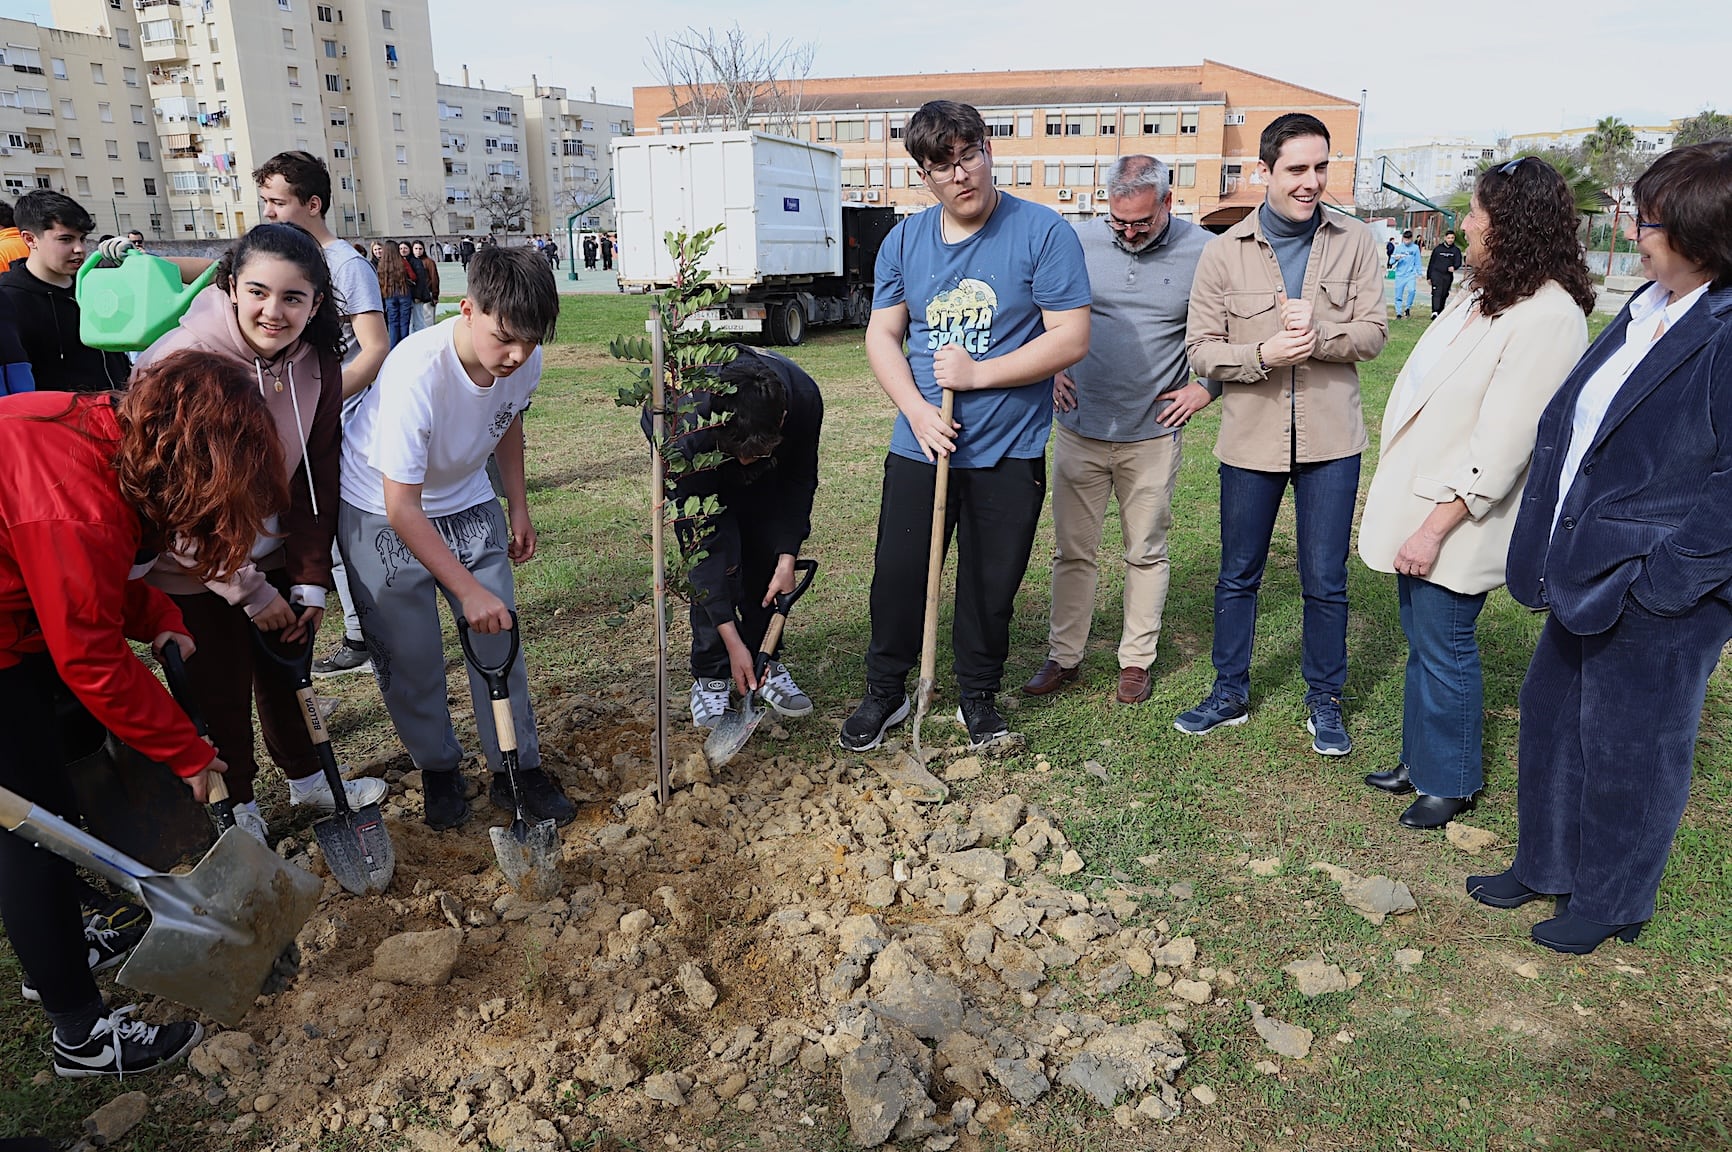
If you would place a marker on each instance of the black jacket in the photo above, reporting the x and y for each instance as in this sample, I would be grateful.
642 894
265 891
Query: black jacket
774 494
1445 259
47 320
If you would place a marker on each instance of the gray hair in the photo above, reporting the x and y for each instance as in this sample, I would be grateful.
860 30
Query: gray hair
1131 174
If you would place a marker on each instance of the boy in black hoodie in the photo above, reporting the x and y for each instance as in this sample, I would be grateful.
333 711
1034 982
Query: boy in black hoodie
39 292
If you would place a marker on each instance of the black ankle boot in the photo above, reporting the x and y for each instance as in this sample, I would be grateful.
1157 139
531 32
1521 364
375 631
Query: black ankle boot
1578 936
1501 891
1434 811
446 804
1394 781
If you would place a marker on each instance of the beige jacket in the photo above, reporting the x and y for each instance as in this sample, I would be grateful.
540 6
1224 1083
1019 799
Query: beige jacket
1468 432
1235 304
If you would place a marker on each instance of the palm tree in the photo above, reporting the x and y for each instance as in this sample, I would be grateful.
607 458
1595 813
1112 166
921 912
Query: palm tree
1584 185
1610 137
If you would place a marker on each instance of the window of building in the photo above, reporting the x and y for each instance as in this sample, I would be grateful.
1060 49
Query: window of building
1081 123
123 221
288 37
294 76
1231 177
123 37
1187 123
1054 124
395 87
22 59
1109 124
898 176
1079 175
138 113
874 175
589 125
96 76
897 127
340 149
120 185
1160 123
66 110
157 32
129 77
74 146
156 222
330 49
35 100
850 131
403 187
324 13
331 82
396 121
84 185
144 149
1000 126
385 18
1052 175
402 154
1025 124
390 55
874 128
59 69
1185 176
1024 175
150 185
825 129
105 113
113 147
853 175
298 113
1003 175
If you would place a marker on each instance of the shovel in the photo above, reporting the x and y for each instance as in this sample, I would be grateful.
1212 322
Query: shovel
355 844
527 854
908 774
215 933
737 724
174 671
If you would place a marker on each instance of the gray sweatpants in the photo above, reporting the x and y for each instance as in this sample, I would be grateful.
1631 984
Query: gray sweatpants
398 600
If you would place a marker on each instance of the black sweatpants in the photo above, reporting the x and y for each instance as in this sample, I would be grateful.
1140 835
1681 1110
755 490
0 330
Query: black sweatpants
746 586
1440 293
992 513
39 891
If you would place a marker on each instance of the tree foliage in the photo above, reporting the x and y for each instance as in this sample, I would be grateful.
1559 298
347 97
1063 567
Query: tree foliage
1701 128
690 356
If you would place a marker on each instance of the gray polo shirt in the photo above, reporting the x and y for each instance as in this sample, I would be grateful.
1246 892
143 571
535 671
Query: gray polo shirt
1136 331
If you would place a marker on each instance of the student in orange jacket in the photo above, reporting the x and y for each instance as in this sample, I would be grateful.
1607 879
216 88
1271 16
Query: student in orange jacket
12 246
97 484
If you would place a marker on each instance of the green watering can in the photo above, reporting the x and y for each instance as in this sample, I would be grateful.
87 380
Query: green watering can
128 308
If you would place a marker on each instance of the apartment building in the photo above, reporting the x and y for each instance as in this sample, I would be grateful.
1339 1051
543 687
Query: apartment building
1650 140
229 83
483 149
1432 170
75 117
1055 133
570 163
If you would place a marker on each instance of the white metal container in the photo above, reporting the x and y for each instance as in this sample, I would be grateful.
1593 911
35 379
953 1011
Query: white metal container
780 201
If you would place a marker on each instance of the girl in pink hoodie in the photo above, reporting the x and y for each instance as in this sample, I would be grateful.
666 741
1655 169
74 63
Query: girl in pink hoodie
272 310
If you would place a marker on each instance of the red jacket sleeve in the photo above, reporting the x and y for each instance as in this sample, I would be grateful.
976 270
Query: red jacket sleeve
76 576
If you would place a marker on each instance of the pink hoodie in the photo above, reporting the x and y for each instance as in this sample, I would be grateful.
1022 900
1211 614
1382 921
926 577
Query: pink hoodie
307 407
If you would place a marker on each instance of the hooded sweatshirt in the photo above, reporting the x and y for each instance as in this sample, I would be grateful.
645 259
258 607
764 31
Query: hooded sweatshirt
47 319
306 405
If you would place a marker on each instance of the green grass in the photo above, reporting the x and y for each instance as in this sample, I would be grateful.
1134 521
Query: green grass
1642 1063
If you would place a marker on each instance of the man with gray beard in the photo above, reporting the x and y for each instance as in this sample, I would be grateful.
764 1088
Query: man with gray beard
1119 414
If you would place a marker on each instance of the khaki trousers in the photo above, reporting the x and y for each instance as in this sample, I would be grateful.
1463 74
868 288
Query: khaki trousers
1142 474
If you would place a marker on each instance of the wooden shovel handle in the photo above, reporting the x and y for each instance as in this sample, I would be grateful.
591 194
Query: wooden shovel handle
935 553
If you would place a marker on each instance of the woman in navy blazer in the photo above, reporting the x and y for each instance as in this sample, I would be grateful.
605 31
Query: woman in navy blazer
1625 535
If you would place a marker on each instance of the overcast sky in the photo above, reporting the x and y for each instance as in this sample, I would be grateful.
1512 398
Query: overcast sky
1499 66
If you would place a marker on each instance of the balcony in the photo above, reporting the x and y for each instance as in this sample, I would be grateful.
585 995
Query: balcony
165 49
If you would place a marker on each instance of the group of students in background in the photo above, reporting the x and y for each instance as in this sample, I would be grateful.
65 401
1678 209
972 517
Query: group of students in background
203 497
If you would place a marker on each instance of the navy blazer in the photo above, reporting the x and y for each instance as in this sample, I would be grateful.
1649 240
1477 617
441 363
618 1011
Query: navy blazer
1650 513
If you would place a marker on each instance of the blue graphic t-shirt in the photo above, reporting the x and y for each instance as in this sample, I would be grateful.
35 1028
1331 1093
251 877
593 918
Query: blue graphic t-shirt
986 294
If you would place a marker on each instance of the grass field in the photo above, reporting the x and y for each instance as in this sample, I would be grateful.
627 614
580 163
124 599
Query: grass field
1628 1049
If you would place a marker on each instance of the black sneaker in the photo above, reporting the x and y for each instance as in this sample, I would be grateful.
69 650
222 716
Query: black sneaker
982 720
107 947
350 657
121 1047
445 806
542 799
116 914
876 715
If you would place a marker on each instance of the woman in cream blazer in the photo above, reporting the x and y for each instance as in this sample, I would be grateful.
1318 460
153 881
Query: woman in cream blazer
1458 433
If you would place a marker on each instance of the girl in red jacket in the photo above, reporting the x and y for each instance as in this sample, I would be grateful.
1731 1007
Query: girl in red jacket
96 486
272 313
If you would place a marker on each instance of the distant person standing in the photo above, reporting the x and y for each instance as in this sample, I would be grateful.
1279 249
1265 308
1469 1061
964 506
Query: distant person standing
12 246
589 253
609 250
397 288
427 287
465 252
1407 260
1445 259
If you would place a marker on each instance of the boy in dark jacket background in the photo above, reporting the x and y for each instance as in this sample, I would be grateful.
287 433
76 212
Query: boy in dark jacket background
39 292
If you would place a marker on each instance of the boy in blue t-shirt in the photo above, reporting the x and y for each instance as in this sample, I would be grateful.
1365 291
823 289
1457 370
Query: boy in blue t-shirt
992 296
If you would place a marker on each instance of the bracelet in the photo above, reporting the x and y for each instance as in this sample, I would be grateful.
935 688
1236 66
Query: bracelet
1261 366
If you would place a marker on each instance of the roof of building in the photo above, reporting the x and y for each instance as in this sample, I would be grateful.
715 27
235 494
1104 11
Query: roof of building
1023 96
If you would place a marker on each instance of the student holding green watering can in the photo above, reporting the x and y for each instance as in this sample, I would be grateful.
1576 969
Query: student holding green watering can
273 313
95 486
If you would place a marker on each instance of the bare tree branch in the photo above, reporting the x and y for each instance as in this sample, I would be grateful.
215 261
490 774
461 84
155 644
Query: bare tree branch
724 81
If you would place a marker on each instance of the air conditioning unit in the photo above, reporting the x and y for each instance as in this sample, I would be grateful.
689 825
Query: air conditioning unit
1235 118
1100 193
855 197
872 196
1064 193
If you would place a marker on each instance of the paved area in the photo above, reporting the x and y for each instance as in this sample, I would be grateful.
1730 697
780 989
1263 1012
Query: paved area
452 281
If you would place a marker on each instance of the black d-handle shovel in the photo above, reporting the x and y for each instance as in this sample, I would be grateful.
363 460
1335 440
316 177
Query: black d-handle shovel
356 846
529 856
174 671
737 724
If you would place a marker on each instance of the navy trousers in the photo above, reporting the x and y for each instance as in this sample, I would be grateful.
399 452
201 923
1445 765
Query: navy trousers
1608 736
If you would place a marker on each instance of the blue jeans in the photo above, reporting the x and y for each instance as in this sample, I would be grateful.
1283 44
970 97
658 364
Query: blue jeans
398 310
1405 287
1323 502
1443 707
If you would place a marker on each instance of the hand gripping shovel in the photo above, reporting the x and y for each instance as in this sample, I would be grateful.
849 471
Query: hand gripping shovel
174 671
356 846
737 724
527 854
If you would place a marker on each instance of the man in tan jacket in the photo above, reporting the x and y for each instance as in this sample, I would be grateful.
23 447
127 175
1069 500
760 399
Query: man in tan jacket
1284 305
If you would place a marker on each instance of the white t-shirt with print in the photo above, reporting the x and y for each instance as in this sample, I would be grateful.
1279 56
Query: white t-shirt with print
426 422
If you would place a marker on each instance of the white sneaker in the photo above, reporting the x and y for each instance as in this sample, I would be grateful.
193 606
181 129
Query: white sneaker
315 793
709 701
781 693
250 820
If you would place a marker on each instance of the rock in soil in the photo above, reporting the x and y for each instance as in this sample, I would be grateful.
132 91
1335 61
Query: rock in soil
1129 1058
1283 1039
884 1085
420 958
1469 839
110 1123
1316 977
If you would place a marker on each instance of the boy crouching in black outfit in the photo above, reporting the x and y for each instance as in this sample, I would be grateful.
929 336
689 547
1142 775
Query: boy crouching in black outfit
765 484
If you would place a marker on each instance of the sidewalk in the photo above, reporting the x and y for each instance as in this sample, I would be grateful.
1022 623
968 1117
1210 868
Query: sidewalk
453 281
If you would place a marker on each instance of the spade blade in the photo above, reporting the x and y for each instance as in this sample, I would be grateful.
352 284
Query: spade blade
528 855
357 850
732 731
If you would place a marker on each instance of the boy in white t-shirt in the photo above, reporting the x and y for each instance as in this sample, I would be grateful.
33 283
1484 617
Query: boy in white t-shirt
419 518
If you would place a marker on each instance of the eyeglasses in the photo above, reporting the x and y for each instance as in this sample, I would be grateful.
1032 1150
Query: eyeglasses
1512 165
1633 226
1117 225
944 173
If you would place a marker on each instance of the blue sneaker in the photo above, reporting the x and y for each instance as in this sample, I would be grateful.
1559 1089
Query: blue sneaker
1219 710
1328 732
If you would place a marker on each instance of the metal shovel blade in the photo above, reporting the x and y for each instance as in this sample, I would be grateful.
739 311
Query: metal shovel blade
528 854
732 731
357 850
216 932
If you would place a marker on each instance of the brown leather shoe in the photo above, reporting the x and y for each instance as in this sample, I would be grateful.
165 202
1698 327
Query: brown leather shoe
1135 685
1049 679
